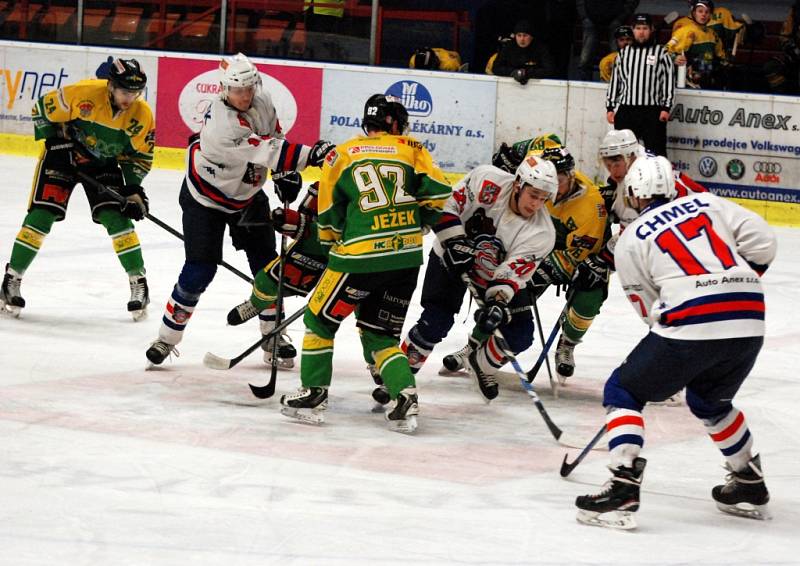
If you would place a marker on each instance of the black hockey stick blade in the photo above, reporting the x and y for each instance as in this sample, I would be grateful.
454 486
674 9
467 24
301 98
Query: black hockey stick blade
567 467
265 391
212 361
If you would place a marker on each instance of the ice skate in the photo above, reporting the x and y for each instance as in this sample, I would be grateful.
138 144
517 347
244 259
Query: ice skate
12 301
160 351
744 493
565 359
486 383
140 297
307 405
455 364
614 506
380 394
286 352
242 313
402 414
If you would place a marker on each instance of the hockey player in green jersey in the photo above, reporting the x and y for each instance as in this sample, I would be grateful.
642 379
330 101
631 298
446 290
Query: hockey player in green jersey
376 195
104 129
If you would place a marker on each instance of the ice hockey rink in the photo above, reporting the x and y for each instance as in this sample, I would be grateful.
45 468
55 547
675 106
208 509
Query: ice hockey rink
103 462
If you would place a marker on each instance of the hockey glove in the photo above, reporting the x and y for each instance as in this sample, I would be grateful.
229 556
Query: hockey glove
520 75
318 152
592 273
506 158
458 255
491 316
287 185
546 274
136 205
290 222
61 150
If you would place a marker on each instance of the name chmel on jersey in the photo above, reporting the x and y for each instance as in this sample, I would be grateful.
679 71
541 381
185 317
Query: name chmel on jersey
666 214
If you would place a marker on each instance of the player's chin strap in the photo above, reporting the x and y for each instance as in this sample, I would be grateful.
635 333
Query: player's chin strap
89 180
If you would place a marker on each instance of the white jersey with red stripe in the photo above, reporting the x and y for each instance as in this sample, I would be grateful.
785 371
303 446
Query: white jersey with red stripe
509 246
228 165
691 267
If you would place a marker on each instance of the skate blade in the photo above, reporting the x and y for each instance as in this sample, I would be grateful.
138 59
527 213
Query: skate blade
621 520
404 426
306 416
139 315
747 510
11 310
443 371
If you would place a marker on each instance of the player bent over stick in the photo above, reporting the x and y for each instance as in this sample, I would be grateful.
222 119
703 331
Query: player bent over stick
376 194
496 229
105 130
690 267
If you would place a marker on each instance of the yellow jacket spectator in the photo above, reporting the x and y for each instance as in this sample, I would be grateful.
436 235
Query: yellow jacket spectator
721 21
623 35
435 59
696 45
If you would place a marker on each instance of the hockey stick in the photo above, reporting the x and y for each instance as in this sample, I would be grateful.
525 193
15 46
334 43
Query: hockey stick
557 433
553 384
567 467
121 200
213 361
268 390
546 348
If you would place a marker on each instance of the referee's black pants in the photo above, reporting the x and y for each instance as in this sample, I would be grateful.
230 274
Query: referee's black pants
644 122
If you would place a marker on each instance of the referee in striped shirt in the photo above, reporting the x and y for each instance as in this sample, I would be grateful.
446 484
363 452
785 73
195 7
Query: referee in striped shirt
642 88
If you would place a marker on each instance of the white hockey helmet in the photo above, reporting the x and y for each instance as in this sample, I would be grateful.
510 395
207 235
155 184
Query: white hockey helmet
619 142
238 71
539 173
651 177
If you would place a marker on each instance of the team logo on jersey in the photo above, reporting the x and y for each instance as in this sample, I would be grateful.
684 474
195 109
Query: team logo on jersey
489 192
331 158
585 242
414 96
85 108
735 169
707 166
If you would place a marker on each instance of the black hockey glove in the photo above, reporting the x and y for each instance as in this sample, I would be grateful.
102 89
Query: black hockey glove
136 204
520 75
506 158
62 150
290 222
287 185
458 255
318 152
492 315
592 273
546 274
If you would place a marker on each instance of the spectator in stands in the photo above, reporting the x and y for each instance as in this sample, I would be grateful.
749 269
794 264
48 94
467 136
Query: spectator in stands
436 59
623 36
554 26
722 22
699 48
323 16
783 71
599 16
642 88
522 58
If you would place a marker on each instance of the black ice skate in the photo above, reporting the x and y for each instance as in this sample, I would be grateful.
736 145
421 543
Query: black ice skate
286 352
242 313
455 364
10 295
565 359
615 505
744 493
402 415
380 394
140 297
307 405
159 351
486 383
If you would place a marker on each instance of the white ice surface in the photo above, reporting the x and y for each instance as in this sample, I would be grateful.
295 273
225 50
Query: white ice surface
103 462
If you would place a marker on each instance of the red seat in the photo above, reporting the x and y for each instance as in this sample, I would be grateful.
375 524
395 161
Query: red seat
126 22
198 28
58 15
18 14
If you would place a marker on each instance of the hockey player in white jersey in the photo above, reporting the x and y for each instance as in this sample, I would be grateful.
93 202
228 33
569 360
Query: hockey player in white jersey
496 229
691 269
226 168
